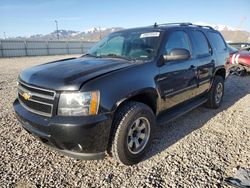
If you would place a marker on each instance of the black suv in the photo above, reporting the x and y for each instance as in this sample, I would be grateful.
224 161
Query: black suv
112 98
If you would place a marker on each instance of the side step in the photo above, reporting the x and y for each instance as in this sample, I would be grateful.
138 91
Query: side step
178 111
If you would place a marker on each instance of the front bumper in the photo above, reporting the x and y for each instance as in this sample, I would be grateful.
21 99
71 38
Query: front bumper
78 137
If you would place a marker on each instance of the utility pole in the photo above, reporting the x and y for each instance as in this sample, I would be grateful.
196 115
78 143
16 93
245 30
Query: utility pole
100 32
57 32
4 34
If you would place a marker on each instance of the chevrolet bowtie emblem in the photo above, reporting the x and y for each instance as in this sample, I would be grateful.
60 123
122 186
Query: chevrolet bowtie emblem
26 96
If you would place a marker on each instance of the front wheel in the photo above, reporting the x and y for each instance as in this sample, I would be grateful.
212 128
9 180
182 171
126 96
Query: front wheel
134 126
216 93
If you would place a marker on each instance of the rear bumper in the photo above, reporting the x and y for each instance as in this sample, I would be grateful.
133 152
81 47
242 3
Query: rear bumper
78 137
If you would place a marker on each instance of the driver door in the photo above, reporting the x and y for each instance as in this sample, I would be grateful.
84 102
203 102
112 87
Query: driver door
177 81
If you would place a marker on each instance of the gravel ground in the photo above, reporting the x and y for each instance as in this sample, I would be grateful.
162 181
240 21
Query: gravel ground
197 150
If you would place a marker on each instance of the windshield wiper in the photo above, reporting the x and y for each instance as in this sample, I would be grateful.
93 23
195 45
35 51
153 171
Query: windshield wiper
89 55
118 56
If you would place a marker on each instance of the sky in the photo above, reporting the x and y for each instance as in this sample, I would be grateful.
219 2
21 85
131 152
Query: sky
29 17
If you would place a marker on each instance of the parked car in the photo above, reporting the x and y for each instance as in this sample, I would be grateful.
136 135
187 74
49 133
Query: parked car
239 62
240 45
111 99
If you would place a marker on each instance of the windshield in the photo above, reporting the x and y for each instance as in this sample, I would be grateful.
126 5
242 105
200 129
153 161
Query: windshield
127 44
232 49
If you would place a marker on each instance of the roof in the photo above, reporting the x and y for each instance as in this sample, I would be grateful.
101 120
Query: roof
165 26
184 24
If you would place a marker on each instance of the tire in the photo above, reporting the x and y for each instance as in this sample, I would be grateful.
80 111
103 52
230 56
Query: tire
134 121
215 94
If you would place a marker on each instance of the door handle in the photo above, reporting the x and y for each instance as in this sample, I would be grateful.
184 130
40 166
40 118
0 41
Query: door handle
192 67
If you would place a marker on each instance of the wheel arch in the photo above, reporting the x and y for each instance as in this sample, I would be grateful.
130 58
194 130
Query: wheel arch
220 71
147 96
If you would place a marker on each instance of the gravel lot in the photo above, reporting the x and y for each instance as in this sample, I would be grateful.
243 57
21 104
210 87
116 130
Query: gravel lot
197 150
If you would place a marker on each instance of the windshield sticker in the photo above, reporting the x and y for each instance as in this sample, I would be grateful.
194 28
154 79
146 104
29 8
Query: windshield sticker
151 34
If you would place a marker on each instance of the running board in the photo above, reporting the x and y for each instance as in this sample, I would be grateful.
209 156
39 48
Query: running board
173 114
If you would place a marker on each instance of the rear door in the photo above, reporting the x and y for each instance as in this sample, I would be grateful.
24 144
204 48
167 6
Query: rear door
220 48
205 59
177 80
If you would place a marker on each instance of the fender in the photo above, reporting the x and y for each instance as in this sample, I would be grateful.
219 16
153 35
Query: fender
121 85
147 91
220 68
216 70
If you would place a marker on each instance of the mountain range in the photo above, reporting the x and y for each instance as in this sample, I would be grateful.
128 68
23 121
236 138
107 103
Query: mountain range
94 34
231 34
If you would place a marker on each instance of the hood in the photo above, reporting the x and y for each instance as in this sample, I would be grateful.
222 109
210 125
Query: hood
70 74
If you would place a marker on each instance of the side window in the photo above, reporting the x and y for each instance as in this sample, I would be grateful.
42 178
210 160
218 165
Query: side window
217 41
177 39
200 44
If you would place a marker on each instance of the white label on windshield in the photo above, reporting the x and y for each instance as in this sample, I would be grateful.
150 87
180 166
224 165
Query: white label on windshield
151 34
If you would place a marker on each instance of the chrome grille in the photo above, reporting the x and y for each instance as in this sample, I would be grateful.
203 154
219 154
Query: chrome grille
40 101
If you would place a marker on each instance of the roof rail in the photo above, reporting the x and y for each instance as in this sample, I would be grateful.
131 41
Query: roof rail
177 23
184 24
204 26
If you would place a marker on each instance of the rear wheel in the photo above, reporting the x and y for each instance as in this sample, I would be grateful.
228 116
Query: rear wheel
134 126
216 93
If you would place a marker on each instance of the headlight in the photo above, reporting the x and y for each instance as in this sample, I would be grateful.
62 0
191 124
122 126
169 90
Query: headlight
79 103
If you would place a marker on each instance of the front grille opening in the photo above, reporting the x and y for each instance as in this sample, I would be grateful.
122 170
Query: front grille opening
41 101
49 142
72 147
44 140
34 89
36 106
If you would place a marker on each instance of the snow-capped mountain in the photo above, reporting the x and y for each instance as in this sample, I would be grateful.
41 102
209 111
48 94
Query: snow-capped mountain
231 34
92 34
64 33
219 27
94 29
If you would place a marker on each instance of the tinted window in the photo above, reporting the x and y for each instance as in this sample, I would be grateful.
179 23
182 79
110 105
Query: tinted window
132 44
177 39
200 43
113 46
217 41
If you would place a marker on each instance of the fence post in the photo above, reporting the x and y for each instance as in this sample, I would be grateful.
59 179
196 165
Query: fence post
25 47
1 48
82 47
67 42
47 45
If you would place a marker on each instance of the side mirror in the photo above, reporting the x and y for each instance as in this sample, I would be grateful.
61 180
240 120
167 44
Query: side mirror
177 54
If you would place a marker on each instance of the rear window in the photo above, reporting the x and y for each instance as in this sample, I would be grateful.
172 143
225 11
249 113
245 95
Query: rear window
200 44
217 41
